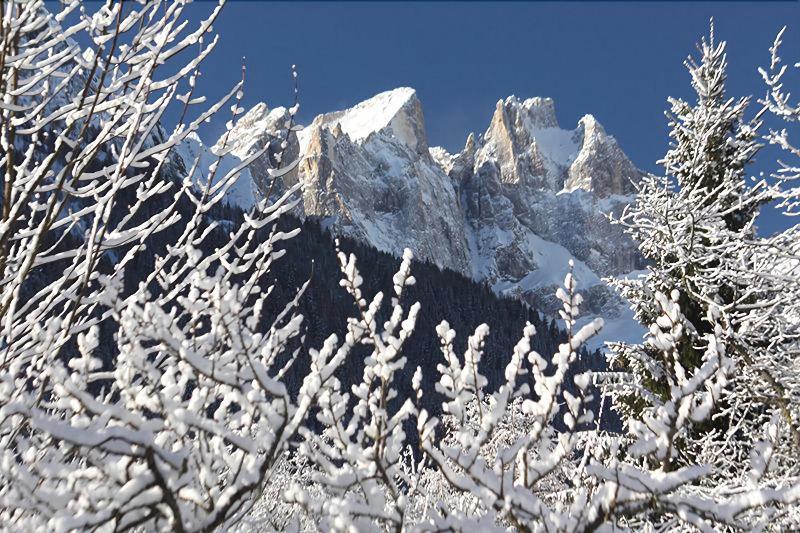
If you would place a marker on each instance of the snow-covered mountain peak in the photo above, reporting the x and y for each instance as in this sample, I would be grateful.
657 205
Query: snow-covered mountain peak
529 115
194 154
469 145
397 112
589 126
525 142
539 112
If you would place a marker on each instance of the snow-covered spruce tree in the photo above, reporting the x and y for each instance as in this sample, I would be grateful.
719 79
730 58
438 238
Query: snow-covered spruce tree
186 421
697 228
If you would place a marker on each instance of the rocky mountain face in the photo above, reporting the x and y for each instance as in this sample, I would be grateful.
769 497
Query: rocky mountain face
511 209
369 172
535 195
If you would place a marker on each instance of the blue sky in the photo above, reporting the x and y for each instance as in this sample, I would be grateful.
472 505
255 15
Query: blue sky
618 61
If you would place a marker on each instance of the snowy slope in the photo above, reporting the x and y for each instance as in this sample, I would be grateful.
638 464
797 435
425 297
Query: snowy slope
375 114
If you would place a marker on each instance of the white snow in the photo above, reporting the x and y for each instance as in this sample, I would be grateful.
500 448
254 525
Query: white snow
303 138
441 157
559 146
371 115
622 328
553 260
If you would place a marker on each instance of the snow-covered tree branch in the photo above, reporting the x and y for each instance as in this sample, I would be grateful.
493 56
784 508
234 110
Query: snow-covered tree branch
187 419
187 398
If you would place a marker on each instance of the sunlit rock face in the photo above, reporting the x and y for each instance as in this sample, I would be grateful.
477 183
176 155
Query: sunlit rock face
601 166
512 208
527 179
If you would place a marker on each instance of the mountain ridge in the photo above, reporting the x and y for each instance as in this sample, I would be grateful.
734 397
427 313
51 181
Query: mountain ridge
510 209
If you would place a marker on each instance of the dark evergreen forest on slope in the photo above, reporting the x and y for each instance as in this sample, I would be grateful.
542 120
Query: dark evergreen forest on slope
325 305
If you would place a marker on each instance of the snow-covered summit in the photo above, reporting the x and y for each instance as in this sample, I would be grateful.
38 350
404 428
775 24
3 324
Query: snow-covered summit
600 166
397 112
528 146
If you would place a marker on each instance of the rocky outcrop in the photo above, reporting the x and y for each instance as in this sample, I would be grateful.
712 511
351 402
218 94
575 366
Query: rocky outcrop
600 167
368 172
526 178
